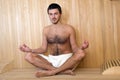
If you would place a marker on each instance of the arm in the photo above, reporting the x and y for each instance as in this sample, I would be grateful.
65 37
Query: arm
41 50
74 45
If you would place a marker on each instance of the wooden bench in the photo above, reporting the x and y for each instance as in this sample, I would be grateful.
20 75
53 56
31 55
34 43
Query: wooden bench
6 66
111 67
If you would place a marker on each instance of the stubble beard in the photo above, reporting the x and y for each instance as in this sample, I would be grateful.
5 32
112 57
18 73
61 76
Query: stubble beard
55 21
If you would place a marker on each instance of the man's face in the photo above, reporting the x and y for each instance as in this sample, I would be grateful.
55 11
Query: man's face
54 15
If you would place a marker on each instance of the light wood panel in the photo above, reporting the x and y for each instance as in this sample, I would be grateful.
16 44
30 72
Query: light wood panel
81 74
111 29
111 67
116 25
22 21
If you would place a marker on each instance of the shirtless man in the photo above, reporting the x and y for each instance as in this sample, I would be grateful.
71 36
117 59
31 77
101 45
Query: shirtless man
61 41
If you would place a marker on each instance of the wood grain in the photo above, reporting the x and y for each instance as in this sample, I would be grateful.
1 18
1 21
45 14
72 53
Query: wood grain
98 21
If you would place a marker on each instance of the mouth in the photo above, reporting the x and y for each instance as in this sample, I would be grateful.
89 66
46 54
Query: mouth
54 19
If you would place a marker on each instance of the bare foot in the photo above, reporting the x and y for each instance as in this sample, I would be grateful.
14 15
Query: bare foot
68 72
43 73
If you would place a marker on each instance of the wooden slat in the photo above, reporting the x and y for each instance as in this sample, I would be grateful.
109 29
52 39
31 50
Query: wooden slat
112 67
81 74
98 21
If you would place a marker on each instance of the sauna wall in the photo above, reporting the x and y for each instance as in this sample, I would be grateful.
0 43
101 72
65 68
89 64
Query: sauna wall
97 21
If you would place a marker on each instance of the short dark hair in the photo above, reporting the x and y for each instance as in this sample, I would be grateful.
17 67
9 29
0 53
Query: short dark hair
54 6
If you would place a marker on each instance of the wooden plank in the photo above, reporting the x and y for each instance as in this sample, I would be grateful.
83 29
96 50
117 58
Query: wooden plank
6 66
22 21
81 74
112 68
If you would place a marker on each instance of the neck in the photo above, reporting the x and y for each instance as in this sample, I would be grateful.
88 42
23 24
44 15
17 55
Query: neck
58 23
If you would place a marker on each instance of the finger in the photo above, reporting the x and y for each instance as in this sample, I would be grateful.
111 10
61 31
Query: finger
21 49
86 42
24 45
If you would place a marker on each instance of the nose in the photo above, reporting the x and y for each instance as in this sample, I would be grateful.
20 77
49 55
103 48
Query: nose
53 16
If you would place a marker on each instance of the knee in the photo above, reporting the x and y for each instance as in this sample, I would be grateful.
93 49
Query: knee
29 57
82 54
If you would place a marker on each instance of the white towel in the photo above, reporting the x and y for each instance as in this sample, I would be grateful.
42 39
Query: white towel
57 61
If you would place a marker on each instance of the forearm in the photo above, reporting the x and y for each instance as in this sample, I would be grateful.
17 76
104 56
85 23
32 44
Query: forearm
38 51
76 49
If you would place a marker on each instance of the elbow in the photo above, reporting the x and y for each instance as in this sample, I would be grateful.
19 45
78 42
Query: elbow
44 50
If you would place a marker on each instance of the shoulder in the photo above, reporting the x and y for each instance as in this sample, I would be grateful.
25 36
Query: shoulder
70 28
46 29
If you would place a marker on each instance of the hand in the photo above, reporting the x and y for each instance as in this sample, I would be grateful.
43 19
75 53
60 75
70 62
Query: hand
85 45
25 48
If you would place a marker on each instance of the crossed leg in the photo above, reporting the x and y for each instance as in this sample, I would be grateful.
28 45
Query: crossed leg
70 63
42 63
39 61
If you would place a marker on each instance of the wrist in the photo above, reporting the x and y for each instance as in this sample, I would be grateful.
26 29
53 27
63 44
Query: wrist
82 48
31 50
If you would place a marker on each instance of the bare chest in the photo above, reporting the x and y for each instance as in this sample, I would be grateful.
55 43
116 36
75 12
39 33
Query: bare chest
57 36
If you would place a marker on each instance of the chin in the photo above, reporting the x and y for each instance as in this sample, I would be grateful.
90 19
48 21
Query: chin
54 22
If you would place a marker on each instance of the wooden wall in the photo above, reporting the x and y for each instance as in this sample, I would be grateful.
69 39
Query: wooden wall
98 21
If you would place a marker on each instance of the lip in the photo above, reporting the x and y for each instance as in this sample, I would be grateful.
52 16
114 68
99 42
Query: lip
54 19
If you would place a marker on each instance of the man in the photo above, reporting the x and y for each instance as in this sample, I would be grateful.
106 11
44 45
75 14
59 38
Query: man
60 39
